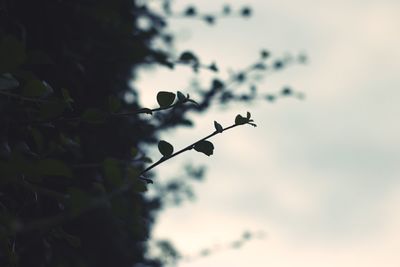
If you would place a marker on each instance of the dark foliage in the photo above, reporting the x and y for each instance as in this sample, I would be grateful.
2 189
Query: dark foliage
63 152
71 168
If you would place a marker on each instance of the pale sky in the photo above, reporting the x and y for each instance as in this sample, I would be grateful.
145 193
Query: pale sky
321 176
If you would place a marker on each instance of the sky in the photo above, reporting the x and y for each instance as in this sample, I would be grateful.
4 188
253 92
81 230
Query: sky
320 177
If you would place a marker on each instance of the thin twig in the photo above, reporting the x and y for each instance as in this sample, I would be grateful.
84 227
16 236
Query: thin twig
187 148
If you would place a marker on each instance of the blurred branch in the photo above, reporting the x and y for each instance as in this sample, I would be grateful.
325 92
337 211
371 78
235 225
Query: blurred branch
235 244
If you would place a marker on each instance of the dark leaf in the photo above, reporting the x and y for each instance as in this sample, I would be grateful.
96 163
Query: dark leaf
241 77
218 127
286 91
239 120
190 11
188 57
245 12
209 19
181 96
165 99
205 147
165 148
265 54
213 67
217 84
187 122
278 65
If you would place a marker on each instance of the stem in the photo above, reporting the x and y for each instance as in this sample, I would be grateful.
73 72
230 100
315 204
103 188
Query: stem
187 148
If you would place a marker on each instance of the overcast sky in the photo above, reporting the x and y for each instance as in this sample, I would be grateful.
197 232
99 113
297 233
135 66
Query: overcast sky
321 177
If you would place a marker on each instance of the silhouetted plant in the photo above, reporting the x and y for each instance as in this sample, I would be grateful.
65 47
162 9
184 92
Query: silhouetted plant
72 165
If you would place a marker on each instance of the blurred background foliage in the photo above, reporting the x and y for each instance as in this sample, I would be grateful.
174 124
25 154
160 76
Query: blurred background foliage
72 145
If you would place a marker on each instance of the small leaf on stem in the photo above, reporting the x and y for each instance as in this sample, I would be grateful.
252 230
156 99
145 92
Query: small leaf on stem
205 147
188 57
265 54
165 99
190 11
165 148
181 96
239 120
286 91
246 11
213 67
218 127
